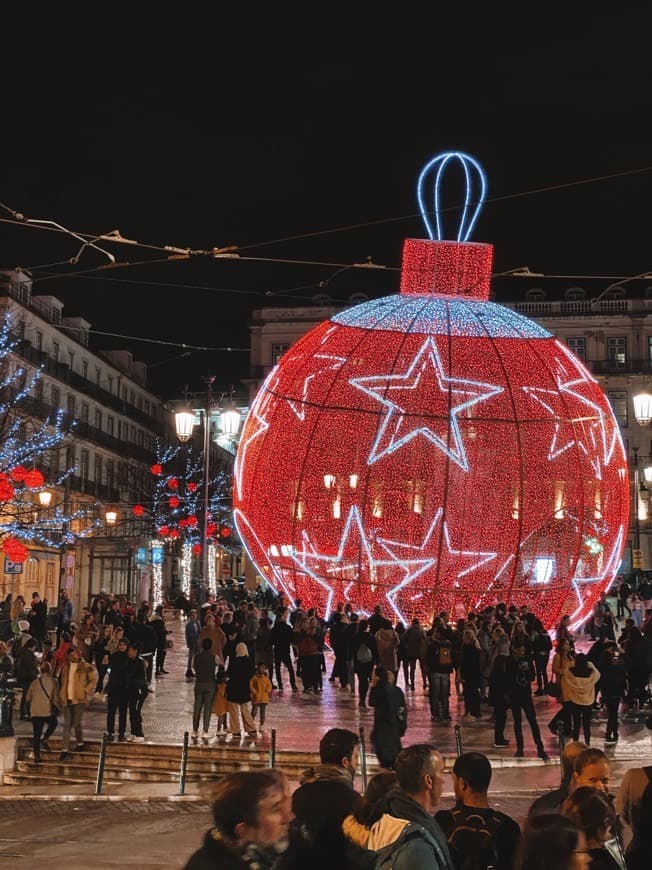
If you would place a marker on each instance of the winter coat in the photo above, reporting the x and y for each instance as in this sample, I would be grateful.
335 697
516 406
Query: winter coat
26 666
117 673
192 633
204 665
581 690
214 854
387 645
217 638
37 696
613 678
261 689
241 670
561 664
263 653
158 625
281 638
220 703
390 720
421 843
136 675
413 641
84 682
470 669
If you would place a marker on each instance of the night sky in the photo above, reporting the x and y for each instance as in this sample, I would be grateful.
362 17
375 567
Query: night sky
209 126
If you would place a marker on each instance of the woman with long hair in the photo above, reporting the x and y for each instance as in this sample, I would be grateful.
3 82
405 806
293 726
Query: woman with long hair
590 811
17 613
562 662
552 841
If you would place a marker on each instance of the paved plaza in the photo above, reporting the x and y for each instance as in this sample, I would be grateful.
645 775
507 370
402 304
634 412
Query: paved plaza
162 832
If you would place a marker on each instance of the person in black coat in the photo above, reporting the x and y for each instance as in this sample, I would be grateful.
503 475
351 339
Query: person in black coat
613 687
519 673
238 692
116 691
364 655
281 639
143 635
390 717
136 681
37 617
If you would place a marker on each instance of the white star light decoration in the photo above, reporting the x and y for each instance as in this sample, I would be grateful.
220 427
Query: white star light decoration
259 411
334 364
402 395
553 402
610 568
318 565
474 559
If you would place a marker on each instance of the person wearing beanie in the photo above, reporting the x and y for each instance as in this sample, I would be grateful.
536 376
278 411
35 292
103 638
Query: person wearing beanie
238 693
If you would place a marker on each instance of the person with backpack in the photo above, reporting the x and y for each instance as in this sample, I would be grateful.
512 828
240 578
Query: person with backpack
439 664
418 840
479 837
364 655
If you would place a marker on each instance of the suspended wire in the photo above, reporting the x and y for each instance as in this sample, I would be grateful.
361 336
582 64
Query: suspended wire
180 344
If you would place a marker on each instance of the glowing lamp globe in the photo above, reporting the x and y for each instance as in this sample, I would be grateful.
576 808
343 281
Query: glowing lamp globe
433 451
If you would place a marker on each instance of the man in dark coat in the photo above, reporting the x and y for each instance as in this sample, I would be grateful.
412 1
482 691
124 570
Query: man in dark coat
37 617
519 673
144 637
116 691
322 802
281 638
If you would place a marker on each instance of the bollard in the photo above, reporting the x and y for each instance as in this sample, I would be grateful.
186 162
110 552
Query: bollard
272 749
7 699
458 740
100 764
363 759
184 763
562 743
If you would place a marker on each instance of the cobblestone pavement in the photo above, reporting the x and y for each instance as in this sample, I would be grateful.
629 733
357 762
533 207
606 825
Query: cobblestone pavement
301 719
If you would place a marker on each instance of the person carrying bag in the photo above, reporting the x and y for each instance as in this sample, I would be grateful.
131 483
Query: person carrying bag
43 696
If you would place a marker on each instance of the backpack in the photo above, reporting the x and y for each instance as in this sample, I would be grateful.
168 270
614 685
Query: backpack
471 839
363 654
444 656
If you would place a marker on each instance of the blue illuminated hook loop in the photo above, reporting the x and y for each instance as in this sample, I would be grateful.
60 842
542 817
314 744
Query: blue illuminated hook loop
472 204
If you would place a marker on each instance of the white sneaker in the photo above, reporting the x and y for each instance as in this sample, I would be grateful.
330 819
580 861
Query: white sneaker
194 735
137 739
206 736
229 737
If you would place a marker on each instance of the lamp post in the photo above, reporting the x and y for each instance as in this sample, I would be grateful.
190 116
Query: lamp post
641 495
229 423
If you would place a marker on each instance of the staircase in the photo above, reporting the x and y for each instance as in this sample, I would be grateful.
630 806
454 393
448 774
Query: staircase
152 762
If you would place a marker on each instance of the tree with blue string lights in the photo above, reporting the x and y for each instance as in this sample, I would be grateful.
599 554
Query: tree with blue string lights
25 439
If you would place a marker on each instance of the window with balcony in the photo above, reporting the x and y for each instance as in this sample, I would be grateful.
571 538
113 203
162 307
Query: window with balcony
618 400
55 350
98 469
98 419
578 345
39 340
85 368
83 465
84 412
110 473
71 405
109 425
617 351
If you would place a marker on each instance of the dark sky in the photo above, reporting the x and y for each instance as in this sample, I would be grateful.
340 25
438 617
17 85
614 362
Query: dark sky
219 125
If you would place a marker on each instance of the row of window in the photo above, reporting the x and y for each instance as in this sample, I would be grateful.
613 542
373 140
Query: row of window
616 349
128 394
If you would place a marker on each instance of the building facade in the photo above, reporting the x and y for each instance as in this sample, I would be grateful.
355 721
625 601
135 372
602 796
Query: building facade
116 423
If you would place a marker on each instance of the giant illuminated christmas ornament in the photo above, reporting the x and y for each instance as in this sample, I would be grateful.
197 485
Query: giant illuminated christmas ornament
433 451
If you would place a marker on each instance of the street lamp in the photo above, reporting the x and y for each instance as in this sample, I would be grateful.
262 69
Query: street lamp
45 497
643 408
111 517
229 424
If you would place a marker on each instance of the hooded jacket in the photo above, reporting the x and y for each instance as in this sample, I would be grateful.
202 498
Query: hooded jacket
419 841
581 690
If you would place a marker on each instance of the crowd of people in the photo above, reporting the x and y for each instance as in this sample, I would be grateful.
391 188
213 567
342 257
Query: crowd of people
399 822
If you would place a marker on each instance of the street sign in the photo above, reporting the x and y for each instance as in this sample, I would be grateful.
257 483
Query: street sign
13 567
637 559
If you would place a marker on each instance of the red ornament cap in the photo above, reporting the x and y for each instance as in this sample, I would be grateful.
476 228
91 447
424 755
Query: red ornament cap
138 510
446 268
156 469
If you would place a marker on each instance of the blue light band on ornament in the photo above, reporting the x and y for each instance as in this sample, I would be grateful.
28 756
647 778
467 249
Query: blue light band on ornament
441 315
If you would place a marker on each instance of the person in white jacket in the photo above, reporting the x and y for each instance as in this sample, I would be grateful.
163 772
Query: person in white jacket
580 683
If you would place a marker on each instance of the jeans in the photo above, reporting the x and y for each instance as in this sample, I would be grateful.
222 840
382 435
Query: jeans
261 709
73 715
524 703
38 724
612 705
161 652
562 715
24 685
204 694
621 608
192 652
116 702
440 689
363 670
582 715
541 665
284 659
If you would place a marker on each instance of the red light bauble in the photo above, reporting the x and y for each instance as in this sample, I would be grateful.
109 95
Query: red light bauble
174 502
173 483
433 451
138 510
6 489
34 479
196 549
15 550
156 469
192 521
18 473
164 531
192 487
225 532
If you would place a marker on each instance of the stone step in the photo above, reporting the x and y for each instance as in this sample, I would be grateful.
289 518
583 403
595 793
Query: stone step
74 770
24 778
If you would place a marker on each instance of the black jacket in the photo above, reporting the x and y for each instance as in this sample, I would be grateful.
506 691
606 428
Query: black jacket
136 671
118 672
143 635
241 670
282 635
204 664
421 851
214 854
